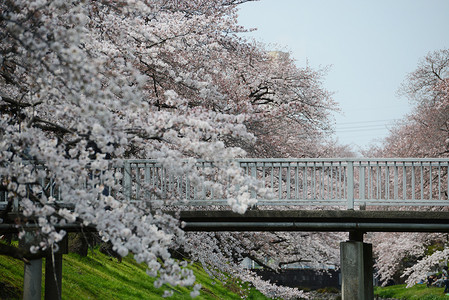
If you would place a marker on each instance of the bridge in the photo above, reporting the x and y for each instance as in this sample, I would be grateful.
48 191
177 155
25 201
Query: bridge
355 195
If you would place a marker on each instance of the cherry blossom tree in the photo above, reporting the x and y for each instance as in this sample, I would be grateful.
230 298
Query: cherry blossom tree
87 84
397 254
298 119
423 133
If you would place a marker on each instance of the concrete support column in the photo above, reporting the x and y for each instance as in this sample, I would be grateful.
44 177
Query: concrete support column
32 277
53 276
32 280
53 271
356 260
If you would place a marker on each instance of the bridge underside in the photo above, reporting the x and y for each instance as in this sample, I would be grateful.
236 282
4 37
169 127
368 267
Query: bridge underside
317 220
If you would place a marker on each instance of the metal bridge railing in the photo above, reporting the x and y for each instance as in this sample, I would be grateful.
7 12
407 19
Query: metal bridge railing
348 182
338 182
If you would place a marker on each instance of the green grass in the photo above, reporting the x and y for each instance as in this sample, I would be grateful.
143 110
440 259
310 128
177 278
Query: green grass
98 276
11 278
416 292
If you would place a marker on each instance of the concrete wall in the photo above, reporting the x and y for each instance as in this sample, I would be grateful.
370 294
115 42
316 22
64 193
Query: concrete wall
303 278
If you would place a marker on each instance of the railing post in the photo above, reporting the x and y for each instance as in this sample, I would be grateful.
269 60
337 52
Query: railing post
254 175
362 182
127 180
350 183
15 204
362 187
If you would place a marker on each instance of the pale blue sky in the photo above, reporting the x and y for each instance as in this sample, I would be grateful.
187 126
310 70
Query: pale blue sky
370 45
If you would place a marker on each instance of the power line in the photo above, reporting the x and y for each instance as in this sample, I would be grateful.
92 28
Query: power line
359 130
363 122
366 127
354 127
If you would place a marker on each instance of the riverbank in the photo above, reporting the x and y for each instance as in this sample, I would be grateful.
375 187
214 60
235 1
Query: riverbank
416 292
99 276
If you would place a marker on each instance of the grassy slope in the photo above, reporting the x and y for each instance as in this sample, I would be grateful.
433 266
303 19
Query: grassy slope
100 277
417 292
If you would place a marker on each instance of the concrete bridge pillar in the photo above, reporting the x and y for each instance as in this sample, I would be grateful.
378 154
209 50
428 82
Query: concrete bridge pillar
356 260
32 280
